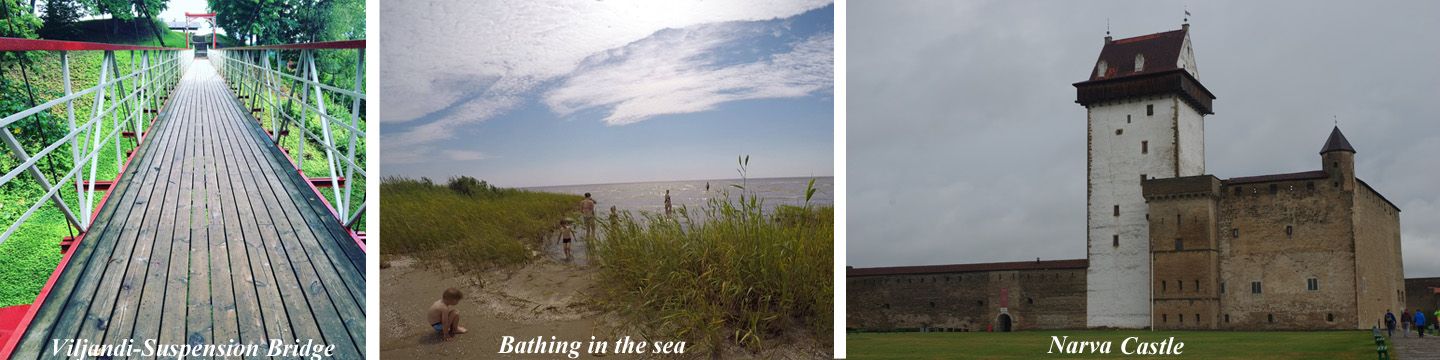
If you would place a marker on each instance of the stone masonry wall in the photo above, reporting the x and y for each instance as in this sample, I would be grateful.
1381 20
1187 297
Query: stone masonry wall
970 301
1255 246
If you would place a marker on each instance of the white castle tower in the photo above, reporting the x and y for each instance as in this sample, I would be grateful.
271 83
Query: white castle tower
1146 113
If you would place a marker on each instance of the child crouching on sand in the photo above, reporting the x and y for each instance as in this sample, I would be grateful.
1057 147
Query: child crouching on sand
444 317
566 235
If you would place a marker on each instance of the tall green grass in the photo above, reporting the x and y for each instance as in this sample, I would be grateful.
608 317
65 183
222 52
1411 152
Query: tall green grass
741 276
468 223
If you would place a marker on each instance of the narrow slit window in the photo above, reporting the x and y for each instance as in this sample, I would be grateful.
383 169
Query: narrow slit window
1222 287
1144 147
1180 284
1150 110
1115 240
1289 230
1179 245
1117 210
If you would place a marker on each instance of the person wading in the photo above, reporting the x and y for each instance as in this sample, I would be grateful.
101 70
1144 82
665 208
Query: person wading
587 212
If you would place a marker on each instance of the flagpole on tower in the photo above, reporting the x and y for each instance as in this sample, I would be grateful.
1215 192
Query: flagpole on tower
1187 14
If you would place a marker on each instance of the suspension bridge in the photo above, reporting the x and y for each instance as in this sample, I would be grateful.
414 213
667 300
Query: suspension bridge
211 231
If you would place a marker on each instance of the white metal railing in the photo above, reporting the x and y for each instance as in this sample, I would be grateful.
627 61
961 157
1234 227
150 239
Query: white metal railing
122 98
282 85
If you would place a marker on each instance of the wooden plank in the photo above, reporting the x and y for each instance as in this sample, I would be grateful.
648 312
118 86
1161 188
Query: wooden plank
171 247
302 319
199 320
222 290
126 310
339 317
173 321
247 302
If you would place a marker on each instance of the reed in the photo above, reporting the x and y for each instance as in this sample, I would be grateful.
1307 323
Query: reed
741 276
468 223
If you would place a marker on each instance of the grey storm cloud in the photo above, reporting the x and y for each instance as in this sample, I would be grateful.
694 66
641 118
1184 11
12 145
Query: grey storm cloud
965 143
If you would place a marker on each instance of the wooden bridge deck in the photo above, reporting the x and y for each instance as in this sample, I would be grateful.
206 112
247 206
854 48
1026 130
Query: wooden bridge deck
212 238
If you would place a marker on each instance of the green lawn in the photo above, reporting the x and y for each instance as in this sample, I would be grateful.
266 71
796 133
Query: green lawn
1035 344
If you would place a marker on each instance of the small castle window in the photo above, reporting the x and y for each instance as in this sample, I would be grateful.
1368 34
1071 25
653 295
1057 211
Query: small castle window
932 304
1150 110
979 302
1115 240
1197 318
1235 233
1142 178
1144 147
1329 317
1222 287
1164 317
1255 287
1312 284
1197 285
1270 317
1119 131
1164 286
1289 230
1179 245
1100 69
1177 220
1227 318
1030 301
1127 118
1180 284
1181 317
887 306
1117 210
1139 62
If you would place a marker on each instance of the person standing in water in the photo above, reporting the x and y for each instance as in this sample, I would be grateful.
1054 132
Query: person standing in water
587 212
667 202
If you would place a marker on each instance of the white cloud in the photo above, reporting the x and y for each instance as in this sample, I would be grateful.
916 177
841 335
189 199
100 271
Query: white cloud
676 72
431 43
463 62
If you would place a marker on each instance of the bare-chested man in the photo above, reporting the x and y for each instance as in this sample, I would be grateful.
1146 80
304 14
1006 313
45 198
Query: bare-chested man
587 212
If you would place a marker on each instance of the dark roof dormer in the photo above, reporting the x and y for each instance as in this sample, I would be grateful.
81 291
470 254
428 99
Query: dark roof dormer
1337 142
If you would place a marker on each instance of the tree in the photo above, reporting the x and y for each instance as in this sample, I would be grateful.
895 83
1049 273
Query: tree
60 15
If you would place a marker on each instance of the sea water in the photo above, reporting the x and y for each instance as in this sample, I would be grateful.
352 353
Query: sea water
650 196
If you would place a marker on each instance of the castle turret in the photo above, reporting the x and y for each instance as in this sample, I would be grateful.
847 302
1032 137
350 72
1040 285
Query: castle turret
1339 160
1146 110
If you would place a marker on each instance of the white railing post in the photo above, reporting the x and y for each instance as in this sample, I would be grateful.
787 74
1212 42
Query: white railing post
354 124
328 139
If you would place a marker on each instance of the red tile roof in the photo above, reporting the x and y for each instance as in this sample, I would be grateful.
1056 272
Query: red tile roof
959 268
1161 51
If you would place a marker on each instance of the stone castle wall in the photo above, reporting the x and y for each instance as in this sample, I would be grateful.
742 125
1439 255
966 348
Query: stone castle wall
967 301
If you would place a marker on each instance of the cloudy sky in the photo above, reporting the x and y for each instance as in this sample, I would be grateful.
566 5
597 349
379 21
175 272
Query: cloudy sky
533 93
966 144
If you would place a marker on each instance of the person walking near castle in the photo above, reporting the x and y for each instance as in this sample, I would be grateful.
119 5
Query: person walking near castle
1420 322
1405 323
1390 323
1435 323
667 202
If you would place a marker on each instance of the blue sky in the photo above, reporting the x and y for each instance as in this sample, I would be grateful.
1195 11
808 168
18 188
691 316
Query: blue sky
623 92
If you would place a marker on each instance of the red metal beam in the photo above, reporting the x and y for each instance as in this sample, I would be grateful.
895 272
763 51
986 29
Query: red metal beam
100 185
343 44
17 44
